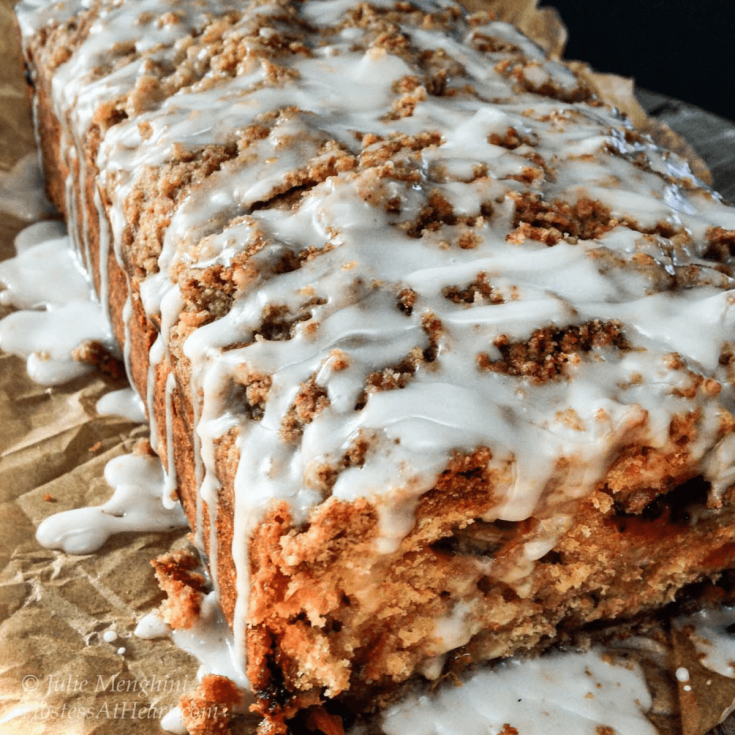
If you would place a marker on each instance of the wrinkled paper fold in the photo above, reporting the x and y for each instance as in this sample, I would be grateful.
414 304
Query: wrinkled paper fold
57 673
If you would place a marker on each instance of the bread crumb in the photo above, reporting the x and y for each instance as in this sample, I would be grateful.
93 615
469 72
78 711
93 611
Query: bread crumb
183 586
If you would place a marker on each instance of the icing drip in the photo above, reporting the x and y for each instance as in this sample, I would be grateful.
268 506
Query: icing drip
209 640
375 214
21 190
711 633
125 403
57 313
561 694
135 505
170 498
173 722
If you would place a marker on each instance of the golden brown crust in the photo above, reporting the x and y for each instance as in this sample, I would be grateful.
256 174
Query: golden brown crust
183 586
209 708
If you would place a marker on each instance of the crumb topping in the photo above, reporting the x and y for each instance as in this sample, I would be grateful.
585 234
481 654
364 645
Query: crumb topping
384 235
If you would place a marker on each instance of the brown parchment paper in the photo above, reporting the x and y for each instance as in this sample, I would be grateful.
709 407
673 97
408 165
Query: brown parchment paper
57 674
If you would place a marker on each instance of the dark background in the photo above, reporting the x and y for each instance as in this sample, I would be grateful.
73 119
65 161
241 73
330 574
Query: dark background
685 49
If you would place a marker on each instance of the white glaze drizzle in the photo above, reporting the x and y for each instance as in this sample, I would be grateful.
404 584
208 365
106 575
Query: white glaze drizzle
56 312
21 190
560 694
366 259
135 505
170 498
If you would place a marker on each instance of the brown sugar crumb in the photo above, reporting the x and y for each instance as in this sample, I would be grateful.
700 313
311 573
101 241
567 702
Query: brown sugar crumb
48 498
406 104
357 451
278 323
436 83
320 721
209 708
721 244
310 401
96 354
391 41
406 300
550 222
511 139
544 355
95 447
433 327
377 151
468 240
251 392
150 206
528 175
727 360
408 83
324 476
146 95
437 212
546 87
183 586
478 292
510 730
492 45
393 378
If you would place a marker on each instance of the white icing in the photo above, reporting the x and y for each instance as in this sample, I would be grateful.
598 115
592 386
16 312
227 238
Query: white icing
47 338
152 626
170 498
173 721
39 233
712 634
124 402
561 694
134 506
21 190
209 640
362 257
57 314
109 636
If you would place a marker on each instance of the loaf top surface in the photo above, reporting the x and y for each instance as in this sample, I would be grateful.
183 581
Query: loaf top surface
386 233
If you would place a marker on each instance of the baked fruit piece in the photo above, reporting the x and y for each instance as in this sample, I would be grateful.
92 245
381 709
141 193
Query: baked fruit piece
437 349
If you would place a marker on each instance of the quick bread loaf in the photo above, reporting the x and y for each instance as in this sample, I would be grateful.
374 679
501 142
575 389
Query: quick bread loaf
436 348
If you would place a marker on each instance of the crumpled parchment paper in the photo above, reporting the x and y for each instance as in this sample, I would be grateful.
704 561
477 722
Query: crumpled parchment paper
57 673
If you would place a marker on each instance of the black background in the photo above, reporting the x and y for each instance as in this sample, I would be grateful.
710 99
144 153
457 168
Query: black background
679 48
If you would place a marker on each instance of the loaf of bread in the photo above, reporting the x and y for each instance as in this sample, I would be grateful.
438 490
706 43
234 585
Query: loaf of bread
438 351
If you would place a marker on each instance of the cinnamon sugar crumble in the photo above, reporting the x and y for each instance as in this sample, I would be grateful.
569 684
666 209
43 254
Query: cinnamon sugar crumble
550 222
183 586
544 356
